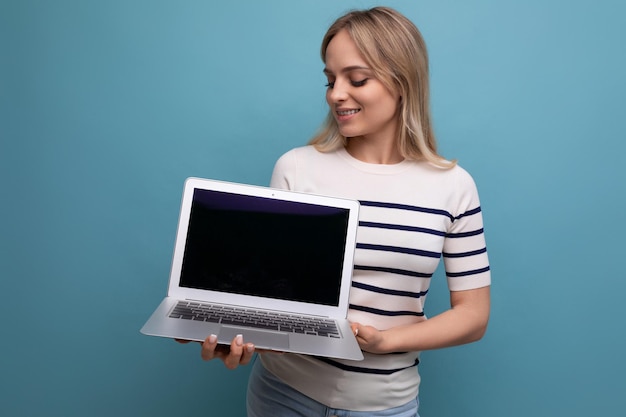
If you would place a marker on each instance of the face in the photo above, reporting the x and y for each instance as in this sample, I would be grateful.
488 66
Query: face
362 105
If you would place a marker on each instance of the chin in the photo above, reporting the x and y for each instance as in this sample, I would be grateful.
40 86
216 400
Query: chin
349 133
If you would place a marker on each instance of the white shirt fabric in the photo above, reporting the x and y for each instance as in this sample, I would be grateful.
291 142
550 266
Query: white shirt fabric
412 215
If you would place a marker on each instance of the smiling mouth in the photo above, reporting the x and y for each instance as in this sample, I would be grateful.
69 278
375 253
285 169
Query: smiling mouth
348 112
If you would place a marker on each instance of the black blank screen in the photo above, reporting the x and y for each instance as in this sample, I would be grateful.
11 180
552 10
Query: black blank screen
265 247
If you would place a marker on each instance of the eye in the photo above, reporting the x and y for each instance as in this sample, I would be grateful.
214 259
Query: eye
361 83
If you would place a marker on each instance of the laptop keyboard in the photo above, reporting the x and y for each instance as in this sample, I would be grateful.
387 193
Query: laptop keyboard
288 323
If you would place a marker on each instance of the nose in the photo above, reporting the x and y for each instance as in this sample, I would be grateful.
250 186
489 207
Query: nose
338 93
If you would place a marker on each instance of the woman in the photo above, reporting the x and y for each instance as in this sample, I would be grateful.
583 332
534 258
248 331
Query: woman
377 146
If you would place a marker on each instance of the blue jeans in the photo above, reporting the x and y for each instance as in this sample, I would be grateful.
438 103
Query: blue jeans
270 397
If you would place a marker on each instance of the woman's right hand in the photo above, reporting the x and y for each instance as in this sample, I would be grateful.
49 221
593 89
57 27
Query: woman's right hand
238 353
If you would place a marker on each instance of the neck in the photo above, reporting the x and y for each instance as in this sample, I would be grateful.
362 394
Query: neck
374 152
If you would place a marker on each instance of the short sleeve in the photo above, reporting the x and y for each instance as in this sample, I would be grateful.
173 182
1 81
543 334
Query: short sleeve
465 250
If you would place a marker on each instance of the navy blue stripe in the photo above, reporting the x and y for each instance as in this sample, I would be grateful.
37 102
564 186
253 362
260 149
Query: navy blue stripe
466 273
468 213
388 290
402 227
386 312
398 249
466 234
464 254
362 370
393 271
407 207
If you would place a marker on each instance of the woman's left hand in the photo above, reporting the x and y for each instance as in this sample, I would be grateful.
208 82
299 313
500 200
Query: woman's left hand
369 338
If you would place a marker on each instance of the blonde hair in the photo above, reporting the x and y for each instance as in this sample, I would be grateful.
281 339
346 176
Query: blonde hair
396 52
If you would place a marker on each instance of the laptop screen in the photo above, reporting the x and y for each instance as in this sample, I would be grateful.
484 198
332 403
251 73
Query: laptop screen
264 247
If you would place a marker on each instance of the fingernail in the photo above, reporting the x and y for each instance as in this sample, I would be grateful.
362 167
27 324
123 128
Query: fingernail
212 338
250 347
239 340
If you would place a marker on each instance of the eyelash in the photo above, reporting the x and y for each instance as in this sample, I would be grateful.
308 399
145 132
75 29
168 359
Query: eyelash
354 83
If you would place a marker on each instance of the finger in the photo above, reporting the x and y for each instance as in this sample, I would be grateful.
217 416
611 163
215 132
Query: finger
248 353
233 358
208 348
355 328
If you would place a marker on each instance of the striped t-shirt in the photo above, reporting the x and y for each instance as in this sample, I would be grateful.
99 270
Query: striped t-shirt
412 215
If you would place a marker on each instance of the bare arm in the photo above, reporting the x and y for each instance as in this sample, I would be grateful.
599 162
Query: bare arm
465 322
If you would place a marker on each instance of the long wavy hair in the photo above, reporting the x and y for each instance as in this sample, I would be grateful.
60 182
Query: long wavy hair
396 52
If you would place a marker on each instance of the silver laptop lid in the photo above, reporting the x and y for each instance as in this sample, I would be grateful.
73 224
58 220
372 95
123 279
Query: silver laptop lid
264 248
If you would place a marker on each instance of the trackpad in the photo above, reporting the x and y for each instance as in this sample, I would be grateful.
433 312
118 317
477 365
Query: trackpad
268 340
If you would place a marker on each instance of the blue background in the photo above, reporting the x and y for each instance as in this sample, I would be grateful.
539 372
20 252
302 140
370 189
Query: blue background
107 106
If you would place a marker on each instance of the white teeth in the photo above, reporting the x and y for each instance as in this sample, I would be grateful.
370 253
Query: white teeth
347 112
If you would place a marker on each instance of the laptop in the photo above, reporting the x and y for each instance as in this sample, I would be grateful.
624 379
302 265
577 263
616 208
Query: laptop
272 265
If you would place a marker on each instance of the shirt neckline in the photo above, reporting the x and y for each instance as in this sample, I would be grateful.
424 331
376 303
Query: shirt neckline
383 169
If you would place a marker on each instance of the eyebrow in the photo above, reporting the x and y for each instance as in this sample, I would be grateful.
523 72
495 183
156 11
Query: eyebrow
348 69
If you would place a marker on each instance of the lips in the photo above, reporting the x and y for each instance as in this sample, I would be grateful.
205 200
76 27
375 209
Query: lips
345 115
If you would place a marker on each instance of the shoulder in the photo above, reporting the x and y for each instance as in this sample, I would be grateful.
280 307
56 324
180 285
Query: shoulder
289 159
453 179
297 163
302 153
304 156
452 189
462 178
465 193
